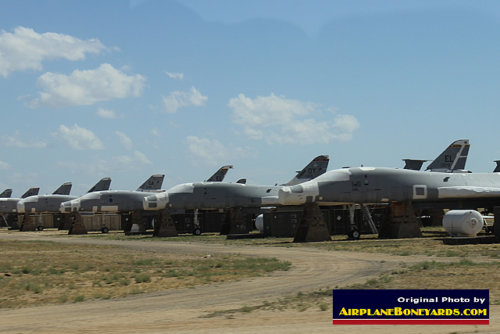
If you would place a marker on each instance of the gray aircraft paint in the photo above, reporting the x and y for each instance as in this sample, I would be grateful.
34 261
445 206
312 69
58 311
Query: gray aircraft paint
9 205
206 195
52 203
113 200
379 185
6 193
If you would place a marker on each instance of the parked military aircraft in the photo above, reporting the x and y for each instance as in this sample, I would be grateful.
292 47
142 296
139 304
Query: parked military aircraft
9 205
387 185
440 186
51 203
6 193
205 195
113 200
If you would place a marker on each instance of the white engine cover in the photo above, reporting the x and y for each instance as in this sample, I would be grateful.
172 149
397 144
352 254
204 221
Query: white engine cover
259 223
463 223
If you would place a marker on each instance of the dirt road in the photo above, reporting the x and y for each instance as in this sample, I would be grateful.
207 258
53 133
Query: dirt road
182 311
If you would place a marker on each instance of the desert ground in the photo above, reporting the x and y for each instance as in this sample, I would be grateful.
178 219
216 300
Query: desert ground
224 307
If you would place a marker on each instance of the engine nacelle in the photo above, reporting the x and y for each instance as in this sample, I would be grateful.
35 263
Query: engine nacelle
463 223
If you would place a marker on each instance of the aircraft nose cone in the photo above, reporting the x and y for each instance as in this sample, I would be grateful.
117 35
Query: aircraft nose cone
65 207
299 194
20 207
75 205
156 202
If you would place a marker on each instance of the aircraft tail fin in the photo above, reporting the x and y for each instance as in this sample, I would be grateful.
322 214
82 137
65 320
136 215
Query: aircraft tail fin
64 189
153 183
242 181
31 192
413 164
6 193
102 185
220 174
314 169
452 159
497 168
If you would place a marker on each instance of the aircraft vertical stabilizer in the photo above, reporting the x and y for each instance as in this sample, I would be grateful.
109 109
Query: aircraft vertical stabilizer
314 169
31 192
497 168
452 159
153 183
64 189
102 185
220 174
6 193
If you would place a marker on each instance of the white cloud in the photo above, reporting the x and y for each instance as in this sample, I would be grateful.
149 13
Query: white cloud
25 49
124 139
106 113
108 165
155 132
15 141
4 165
87 87
277 119
210 151
180 99
79 138
136 158
178 76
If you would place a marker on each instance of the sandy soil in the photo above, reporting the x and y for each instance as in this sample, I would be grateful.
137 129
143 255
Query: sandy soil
182 311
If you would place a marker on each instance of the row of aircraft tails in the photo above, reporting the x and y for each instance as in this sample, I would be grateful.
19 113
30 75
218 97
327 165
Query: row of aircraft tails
445 183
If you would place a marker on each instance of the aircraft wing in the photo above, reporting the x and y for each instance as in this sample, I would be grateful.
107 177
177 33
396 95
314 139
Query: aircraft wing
468 192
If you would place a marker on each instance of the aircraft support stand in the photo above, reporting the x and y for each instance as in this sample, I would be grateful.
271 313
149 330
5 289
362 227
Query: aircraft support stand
400 222
28 224
66 222
137 224
234 223
77 225
312 226
164 226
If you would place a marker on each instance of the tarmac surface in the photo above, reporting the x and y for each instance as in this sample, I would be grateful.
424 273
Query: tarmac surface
183 310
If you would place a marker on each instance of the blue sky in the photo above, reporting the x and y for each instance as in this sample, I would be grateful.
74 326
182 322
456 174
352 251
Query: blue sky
130 88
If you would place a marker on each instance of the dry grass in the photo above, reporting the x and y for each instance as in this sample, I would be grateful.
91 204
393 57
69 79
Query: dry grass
431 244
463 274
34 273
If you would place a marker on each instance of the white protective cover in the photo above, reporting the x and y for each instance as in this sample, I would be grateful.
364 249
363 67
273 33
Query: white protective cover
259 223
463 223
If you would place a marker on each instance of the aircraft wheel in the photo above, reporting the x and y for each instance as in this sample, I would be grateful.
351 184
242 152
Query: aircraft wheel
40 228
104 230
197 231
354 234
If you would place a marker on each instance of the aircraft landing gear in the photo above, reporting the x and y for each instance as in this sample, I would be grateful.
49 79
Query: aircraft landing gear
354 234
